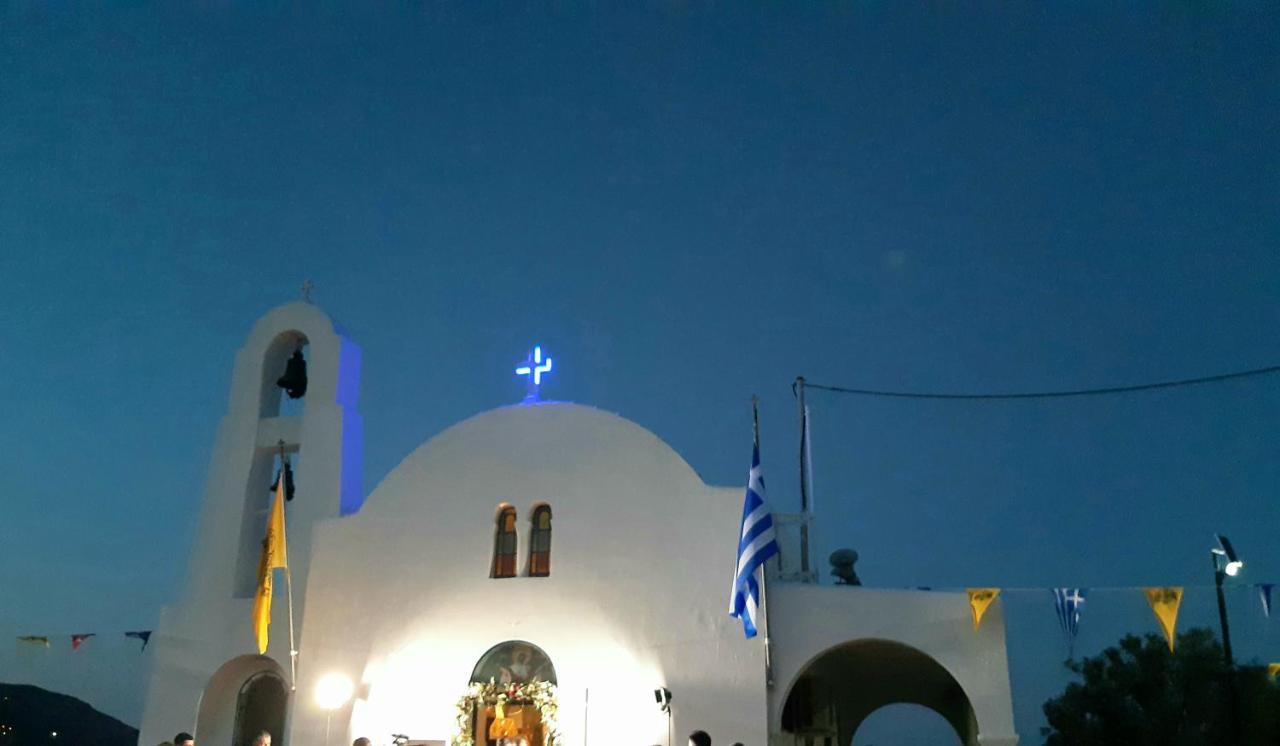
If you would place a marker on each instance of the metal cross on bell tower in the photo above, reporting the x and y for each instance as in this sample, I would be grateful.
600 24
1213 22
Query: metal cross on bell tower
533 368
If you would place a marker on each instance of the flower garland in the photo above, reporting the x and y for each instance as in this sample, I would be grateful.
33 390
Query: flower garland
541 694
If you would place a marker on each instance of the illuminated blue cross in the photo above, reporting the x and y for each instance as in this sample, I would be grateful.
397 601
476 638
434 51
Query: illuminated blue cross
534 366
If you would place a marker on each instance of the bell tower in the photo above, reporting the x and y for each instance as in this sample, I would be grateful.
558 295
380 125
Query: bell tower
321 432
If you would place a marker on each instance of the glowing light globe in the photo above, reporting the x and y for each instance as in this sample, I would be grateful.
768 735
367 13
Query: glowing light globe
334 690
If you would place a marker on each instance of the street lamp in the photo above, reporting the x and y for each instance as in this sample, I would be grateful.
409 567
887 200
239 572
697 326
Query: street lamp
332 692
1226 562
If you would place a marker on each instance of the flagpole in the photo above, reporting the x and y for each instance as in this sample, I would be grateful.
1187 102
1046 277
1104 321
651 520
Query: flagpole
768 651
288 583
764 583
293 649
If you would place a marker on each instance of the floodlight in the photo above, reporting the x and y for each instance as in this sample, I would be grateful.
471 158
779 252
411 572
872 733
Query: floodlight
333 691
663 698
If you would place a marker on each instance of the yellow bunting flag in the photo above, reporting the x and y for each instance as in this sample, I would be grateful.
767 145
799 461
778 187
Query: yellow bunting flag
274 554
979 600
1273 670
1164 604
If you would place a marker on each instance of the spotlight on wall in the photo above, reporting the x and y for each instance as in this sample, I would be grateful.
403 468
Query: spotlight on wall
333 691
1228 553
663 698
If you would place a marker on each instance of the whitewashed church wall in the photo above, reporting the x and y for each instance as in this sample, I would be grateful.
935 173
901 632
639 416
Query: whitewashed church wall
400 597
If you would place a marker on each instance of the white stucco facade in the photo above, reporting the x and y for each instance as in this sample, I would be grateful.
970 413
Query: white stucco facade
395 591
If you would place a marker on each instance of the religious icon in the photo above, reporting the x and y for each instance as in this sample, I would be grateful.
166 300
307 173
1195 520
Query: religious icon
518 669
514 663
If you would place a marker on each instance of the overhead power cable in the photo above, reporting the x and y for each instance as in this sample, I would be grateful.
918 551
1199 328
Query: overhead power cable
1050 394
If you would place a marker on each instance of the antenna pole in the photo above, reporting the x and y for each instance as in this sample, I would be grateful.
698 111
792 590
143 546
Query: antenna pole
804 479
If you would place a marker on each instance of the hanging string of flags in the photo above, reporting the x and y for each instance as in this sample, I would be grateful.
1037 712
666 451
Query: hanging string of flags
1165 602
979 600
1067 602
78 640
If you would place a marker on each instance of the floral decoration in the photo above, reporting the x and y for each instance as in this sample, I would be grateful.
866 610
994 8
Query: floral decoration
540 694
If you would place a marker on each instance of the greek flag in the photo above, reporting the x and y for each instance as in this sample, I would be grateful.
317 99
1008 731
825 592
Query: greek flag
756 543
1068 601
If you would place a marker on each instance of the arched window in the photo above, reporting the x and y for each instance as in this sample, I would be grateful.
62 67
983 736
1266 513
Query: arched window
504 544
540 543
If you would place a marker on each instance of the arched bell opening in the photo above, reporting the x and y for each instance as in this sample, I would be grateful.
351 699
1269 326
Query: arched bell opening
267 469
840 688
284 375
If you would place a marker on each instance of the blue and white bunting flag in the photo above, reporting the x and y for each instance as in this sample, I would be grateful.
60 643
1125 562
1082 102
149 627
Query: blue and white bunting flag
1068 602
1264 593
757 542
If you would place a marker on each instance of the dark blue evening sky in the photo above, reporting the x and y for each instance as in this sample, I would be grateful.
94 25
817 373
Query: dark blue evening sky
686 205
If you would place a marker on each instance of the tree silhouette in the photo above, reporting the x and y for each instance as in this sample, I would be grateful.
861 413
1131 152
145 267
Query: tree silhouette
1137 693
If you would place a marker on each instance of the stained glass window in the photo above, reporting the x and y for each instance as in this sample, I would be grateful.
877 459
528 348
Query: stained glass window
540 542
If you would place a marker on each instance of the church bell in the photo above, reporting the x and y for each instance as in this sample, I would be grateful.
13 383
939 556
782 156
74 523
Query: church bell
288 481
294 380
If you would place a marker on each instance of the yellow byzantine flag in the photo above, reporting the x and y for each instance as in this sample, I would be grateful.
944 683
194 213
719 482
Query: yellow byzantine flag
274 554
1273 670
979 600
1164 604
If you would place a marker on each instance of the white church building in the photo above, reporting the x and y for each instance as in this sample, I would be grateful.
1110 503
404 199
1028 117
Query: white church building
539 573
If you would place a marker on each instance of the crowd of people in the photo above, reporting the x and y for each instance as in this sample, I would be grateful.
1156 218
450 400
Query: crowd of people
262 739
697 738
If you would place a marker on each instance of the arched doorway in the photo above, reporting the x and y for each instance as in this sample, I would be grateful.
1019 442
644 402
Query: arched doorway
261 706
511 698
244 697
841 687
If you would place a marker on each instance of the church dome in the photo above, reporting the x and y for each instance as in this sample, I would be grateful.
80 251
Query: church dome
542 451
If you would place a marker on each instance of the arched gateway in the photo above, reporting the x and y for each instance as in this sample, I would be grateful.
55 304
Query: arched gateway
841 653
840 688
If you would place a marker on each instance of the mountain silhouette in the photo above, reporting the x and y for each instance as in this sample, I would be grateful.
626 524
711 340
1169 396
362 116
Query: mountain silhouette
31 716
